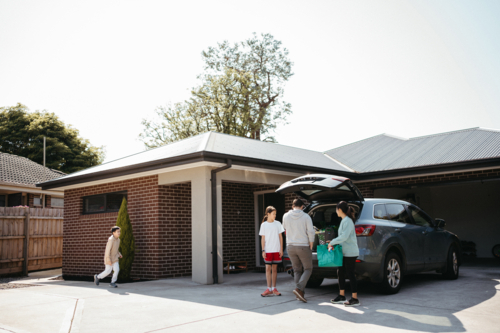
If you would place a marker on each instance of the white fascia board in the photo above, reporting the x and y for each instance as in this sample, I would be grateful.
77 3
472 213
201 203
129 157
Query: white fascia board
31 190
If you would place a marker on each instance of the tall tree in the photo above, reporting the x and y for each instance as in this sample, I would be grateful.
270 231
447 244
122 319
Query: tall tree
240 94
22 132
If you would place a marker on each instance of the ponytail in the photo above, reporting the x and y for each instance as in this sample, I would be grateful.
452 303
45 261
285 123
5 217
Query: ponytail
347 210
269 210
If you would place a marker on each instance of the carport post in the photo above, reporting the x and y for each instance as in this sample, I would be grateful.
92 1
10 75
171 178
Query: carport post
213 179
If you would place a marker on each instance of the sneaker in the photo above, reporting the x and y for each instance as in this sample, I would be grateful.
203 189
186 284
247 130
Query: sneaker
338 300
276 292
267 293
299 294
352 302
113 285
96 280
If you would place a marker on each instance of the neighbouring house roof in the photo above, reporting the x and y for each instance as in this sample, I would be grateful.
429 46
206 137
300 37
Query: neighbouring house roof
386 152
22 171
213 147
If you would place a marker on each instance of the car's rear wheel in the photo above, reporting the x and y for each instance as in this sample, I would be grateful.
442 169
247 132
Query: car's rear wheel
452 268
393 274
314 282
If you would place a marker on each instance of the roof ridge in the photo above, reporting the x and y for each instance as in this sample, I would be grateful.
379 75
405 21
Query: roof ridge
371 137
445 133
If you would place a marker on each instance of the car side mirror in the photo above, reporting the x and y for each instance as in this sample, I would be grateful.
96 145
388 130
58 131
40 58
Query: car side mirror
440 223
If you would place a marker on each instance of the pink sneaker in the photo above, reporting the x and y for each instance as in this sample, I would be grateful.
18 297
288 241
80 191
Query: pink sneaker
276 292
267 293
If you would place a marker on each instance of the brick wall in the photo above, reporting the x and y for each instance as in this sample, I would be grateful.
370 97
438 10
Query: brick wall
367 189
85 236
175 230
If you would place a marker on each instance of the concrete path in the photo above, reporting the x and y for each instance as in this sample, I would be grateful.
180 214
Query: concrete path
425 304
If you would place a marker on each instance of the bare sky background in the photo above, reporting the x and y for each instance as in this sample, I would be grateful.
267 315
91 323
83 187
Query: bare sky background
362 68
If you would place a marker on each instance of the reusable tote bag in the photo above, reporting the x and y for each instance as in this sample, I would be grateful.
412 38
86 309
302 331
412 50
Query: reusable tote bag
329 259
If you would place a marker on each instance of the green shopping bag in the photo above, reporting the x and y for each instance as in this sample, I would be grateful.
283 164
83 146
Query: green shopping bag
329 259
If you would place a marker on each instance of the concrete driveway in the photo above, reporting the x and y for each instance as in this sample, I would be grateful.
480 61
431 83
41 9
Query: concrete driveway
426 303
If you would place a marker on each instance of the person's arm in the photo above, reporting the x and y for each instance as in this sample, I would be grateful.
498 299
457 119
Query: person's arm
281 245
263 243
107 252
343 233
310 232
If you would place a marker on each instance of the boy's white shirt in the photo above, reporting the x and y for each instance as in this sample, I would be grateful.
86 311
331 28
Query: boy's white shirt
271 232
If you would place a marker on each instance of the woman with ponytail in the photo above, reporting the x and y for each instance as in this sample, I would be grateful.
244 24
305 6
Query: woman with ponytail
350 251
272 249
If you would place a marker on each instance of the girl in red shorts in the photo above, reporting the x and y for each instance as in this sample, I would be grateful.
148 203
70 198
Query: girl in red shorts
272 249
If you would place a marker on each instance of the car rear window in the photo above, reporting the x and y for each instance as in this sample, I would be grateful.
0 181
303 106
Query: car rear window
397 212
379 212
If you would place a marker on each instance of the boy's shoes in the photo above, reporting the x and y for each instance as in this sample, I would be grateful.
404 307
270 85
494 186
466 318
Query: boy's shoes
96 280
297 298
299 294
113 285
267 293
352 302
338 300
276 292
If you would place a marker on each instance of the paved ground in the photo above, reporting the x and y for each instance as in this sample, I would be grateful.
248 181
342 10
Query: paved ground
425 304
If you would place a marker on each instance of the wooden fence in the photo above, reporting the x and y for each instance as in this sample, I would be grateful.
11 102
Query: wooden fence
39 248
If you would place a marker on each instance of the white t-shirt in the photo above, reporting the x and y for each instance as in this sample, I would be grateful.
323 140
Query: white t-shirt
271 232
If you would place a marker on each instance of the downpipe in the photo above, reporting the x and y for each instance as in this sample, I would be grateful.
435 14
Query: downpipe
215 259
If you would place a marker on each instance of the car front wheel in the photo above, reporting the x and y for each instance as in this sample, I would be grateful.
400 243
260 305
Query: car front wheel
452 268
393 274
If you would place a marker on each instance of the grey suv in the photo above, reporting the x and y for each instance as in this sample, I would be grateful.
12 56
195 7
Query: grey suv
395 237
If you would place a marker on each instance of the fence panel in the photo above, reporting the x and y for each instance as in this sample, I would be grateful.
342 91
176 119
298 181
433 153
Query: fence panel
44 239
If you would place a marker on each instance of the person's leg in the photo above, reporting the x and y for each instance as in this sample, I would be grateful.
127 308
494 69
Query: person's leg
106 272
296 263
275 274
269 276
305 256
116 270
341 277
349 267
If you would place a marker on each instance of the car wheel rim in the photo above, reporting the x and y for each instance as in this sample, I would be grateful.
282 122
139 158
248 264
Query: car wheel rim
393 273
455 263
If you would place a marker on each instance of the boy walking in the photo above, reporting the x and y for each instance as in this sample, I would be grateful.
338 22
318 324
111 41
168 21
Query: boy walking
111 256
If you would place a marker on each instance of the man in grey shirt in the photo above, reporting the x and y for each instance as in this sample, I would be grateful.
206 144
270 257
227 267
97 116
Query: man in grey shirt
299 239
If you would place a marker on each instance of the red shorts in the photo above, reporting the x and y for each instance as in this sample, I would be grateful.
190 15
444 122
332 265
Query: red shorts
272 258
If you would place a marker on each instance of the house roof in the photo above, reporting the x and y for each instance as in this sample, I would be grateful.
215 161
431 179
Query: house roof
386 152
215 147
22 171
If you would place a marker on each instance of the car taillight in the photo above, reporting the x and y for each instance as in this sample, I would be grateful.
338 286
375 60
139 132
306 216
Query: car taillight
364 230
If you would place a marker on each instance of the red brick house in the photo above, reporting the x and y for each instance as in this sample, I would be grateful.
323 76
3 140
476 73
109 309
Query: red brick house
198 202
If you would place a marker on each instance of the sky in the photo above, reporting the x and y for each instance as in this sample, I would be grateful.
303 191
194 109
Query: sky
361 68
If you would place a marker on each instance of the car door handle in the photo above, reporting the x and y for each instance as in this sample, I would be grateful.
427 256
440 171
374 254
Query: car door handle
397 230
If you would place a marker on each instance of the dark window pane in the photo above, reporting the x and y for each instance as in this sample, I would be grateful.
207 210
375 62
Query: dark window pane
419 217
93 204
114 201
15 200
397 212
2 200
379 212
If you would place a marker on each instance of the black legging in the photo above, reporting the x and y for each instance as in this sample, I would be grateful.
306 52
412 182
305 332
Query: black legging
348 264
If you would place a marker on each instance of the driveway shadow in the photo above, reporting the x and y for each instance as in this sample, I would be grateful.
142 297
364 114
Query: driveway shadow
425 303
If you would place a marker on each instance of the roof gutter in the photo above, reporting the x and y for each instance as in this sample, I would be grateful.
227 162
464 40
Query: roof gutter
215 258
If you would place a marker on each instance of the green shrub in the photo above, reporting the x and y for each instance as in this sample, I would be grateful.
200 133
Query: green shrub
127 242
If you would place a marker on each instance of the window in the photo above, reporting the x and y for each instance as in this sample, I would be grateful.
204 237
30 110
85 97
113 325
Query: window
420 217
103 203
2 200
57 202
37 201
15 200
397 212
379 212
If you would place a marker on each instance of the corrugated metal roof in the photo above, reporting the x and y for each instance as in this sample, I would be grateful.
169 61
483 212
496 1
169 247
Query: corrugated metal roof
20 170
386 152
223 144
